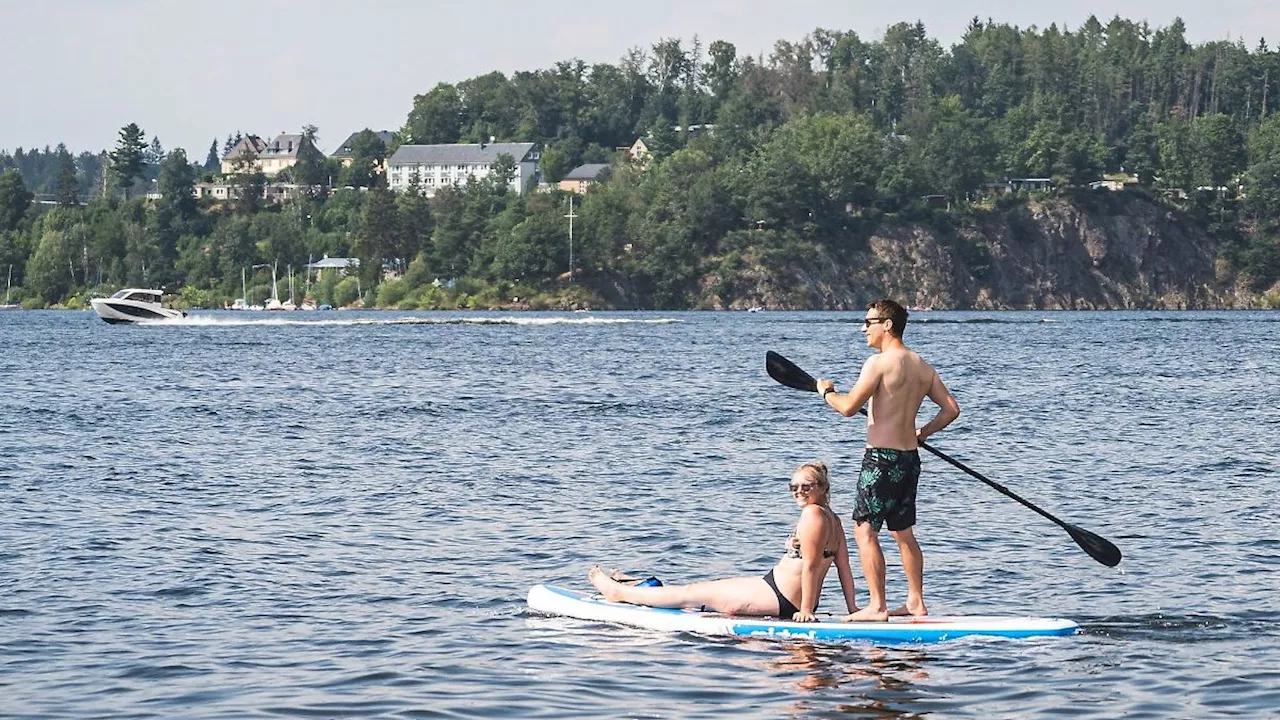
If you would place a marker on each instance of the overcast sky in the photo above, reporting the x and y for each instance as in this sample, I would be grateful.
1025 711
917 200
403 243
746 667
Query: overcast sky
75 71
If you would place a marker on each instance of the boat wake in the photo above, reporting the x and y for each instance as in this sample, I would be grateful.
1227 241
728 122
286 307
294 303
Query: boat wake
220 321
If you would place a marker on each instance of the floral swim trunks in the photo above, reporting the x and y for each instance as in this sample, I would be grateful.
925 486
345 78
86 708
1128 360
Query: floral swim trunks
887 488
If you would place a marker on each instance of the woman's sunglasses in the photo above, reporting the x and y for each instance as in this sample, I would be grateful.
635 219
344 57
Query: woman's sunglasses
800 487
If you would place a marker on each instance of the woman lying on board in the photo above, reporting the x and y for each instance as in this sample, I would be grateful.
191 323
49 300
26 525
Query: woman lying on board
789 591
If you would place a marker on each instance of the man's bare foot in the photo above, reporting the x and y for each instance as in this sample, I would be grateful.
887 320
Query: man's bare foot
914 609
611 589
868 614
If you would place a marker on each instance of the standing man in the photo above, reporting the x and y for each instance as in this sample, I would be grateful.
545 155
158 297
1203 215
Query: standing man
896 381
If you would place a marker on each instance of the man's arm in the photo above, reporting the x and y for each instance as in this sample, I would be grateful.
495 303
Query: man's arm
851 402
948 408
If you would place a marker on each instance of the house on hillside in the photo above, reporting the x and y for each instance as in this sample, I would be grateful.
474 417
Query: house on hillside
695 129
343 265
224 192
1013 185
282 152
248 145
583 177
1115 182
278 192
346 151
639 152
438 166
214 191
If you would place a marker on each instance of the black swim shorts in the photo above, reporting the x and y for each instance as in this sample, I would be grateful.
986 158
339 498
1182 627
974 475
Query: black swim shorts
887 488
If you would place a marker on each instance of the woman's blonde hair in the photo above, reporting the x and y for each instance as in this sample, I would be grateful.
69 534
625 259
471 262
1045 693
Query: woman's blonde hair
820 474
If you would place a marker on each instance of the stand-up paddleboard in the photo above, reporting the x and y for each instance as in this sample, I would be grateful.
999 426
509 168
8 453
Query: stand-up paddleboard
583 606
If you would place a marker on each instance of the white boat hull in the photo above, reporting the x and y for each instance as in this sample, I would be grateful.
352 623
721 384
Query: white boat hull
132 311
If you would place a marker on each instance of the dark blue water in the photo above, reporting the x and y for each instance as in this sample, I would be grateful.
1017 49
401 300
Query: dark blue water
339 515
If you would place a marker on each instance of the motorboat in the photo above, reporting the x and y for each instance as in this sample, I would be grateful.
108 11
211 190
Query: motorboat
133 305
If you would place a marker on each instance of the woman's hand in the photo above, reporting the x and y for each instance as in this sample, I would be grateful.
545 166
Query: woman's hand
802 616
823 385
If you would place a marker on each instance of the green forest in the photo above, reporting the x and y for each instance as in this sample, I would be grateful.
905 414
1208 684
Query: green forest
814 145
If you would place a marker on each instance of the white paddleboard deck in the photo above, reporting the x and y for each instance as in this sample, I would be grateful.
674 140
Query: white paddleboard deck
552 600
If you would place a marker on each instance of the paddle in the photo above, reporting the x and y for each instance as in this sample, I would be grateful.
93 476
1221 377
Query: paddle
1098 548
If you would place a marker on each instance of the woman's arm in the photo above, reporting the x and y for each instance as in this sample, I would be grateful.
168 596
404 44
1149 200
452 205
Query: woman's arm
812 532
845 572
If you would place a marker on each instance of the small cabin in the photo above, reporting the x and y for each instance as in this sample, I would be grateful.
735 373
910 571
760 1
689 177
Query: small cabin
138 295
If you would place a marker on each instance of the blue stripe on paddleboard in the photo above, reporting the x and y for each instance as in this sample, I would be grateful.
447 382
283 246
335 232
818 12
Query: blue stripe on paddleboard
897 633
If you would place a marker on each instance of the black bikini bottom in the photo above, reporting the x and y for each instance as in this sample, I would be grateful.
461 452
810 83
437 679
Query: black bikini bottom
785 608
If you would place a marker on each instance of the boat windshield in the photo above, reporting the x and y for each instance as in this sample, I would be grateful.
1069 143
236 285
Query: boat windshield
146 296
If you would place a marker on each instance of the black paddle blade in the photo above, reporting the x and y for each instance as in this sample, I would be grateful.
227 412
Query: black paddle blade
788 373
1099 548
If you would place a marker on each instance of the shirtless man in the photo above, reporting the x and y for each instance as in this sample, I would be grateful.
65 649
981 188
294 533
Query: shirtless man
896 381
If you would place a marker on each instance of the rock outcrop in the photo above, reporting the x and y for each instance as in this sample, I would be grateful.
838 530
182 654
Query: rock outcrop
1105 252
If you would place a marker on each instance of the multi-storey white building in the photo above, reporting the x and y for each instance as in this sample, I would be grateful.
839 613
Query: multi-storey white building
438 166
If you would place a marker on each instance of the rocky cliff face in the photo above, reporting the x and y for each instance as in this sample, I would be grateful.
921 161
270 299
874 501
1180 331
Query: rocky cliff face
1108 252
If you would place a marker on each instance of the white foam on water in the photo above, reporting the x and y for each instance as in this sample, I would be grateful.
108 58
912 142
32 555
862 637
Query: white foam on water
220 321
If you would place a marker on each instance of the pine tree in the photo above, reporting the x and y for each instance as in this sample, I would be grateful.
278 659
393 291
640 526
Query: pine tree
68 183
155 153
129 158
212 162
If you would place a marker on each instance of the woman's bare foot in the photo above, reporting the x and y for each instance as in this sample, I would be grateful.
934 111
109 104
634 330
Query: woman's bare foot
914 609
618 575
611 589
868 614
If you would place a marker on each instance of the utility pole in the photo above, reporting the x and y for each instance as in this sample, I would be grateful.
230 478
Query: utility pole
571 216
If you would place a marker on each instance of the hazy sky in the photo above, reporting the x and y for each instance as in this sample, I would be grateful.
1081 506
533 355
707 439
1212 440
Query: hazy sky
75 71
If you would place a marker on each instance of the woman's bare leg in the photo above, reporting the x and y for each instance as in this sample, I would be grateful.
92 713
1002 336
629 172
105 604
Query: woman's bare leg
733 596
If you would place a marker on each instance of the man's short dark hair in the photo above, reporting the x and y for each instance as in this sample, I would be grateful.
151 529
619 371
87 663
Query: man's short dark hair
895 312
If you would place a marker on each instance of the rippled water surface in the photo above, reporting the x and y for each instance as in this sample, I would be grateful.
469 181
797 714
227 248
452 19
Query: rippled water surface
340 514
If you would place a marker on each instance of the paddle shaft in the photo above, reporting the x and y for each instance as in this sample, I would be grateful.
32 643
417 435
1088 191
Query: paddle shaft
982 477
1002 489
1099 548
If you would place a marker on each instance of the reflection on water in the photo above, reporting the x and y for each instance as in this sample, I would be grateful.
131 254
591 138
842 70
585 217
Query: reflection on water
866 681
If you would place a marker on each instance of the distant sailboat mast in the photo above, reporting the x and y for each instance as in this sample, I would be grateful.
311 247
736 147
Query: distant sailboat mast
7 288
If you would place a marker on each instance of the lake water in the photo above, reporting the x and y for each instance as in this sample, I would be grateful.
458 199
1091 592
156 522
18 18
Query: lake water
340 514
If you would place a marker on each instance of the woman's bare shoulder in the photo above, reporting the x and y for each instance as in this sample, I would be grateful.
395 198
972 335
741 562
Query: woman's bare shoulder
816 516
